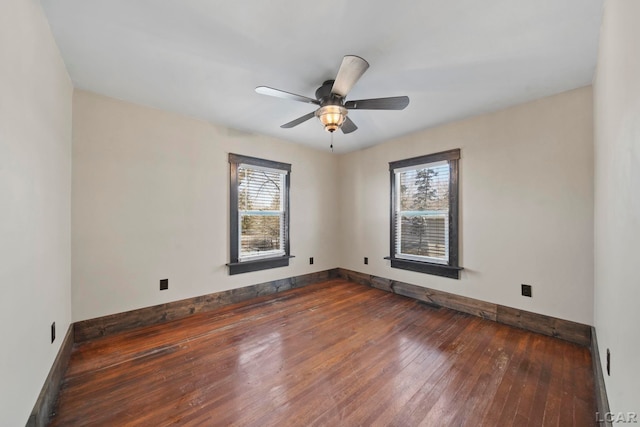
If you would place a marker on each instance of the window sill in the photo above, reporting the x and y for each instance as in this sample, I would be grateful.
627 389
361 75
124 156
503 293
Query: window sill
259 264
426 267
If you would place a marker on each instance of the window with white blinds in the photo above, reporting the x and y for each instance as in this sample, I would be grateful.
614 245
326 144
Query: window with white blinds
424 214
259 210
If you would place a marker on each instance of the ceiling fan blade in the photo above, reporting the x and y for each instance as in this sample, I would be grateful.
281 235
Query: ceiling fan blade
352 68
299 120
393 103
264 90
348 126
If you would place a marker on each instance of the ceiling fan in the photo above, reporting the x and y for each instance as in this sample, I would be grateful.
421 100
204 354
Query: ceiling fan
330 97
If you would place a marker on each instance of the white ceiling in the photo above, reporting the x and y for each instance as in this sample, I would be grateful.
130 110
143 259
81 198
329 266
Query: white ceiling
203 58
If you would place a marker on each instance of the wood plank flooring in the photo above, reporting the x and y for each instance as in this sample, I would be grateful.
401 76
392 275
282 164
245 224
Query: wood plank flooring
330 354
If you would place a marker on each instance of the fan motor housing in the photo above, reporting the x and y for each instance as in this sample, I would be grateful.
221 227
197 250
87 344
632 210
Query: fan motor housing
324 95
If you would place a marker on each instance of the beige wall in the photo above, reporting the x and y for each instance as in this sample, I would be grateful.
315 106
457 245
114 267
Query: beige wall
526 205
617 201
35 189
151 201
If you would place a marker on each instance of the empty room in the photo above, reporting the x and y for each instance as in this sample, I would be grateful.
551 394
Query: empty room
343 213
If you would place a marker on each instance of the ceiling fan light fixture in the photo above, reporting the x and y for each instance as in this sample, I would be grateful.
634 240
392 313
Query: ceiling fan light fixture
331 116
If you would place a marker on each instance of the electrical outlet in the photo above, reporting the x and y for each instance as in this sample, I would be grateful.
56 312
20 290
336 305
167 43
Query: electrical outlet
164 284
526 290
53 332
608 363
366 260
311 260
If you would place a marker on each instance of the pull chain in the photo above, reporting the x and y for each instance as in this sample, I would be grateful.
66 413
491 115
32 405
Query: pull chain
331 146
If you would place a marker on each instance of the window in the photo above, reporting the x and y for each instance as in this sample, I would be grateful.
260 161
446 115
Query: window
424 214
259 201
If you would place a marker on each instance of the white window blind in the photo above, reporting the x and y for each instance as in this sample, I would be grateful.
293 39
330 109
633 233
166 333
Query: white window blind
422 212
261 212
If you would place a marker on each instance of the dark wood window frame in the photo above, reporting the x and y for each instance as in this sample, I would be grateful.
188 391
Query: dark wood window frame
235 265
451 269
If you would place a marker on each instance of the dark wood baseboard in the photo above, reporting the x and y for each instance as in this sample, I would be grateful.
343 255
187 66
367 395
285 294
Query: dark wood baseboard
107 325
546 325
564 329
602 402
45 404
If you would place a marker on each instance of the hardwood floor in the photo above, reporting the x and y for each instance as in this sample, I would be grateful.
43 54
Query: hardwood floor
335 353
